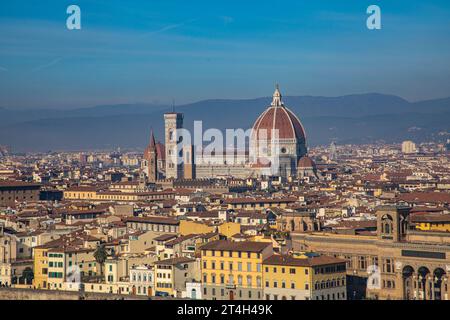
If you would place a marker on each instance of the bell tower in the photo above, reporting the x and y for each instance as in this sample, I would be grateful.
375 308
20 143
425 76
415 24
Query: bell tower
392 222
173 121
151 159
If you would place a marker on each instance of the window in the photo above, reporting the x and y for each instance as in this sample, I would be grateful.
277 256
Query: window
388 266
292 270
362 263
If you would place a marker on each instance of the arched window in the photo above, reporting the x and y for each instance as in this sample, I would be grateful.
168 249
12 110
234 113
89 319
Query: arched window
386 224
249 281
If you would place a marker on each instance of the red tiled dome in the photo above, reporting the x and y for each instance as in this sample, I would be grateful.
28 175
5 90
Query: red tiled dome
306 162
278 117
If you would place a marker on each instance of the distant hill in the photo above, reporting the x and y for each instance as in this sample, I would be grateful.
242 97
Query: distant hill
10 116
348 119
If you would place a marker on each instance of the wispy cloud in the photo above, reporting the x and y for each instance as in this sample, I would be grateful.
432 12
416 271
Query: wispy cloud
168 27
47 65
3 69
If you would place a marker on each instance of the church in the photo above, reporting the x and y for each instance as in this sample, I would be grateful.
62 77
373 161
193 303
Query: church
277 139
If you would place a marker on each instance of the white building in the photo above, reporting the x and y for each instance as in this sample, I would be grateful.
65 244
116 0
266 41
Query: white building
142 280
408 147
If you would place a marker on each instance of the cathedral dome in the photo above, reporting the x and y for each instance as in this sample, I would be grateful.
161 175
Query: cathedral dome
306 162
278 117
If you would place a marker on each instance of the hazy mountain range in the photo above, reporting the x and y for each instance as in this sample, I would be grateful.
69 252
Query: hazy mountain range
347 119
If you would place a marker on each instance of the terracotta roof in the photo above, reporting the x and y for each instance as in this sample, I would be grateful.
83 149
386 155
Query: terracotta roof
289 260
14 184
165 237
260 200
174 261
179 240
155 220
243 246
306 162
435 218
355 224
425 197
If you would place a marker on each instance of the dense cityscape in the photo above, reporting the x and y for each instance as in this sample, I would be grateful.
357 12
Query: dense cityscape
337 222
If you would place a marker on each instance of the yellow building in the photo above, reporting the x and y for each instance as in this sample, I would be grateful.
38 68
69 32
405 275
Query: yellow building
40 280
40 263
259 203
91 193
432 222
233 270
304 277
227 229
69 264
172 274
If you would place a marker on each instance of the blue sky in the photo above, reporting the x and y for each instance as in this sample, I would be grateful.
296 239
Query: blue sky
155 51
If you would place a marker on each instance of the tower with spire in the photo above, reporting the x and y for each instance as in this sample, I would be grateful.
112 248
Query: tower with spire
151 159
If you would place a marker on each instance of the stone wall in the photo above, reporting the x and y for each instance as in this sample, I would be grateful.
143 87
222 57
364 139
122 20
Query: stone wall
32 294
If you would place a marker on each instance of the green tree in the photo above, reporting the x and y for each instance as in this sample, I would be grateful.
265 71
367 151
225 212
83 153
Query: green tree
100 256
27 276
